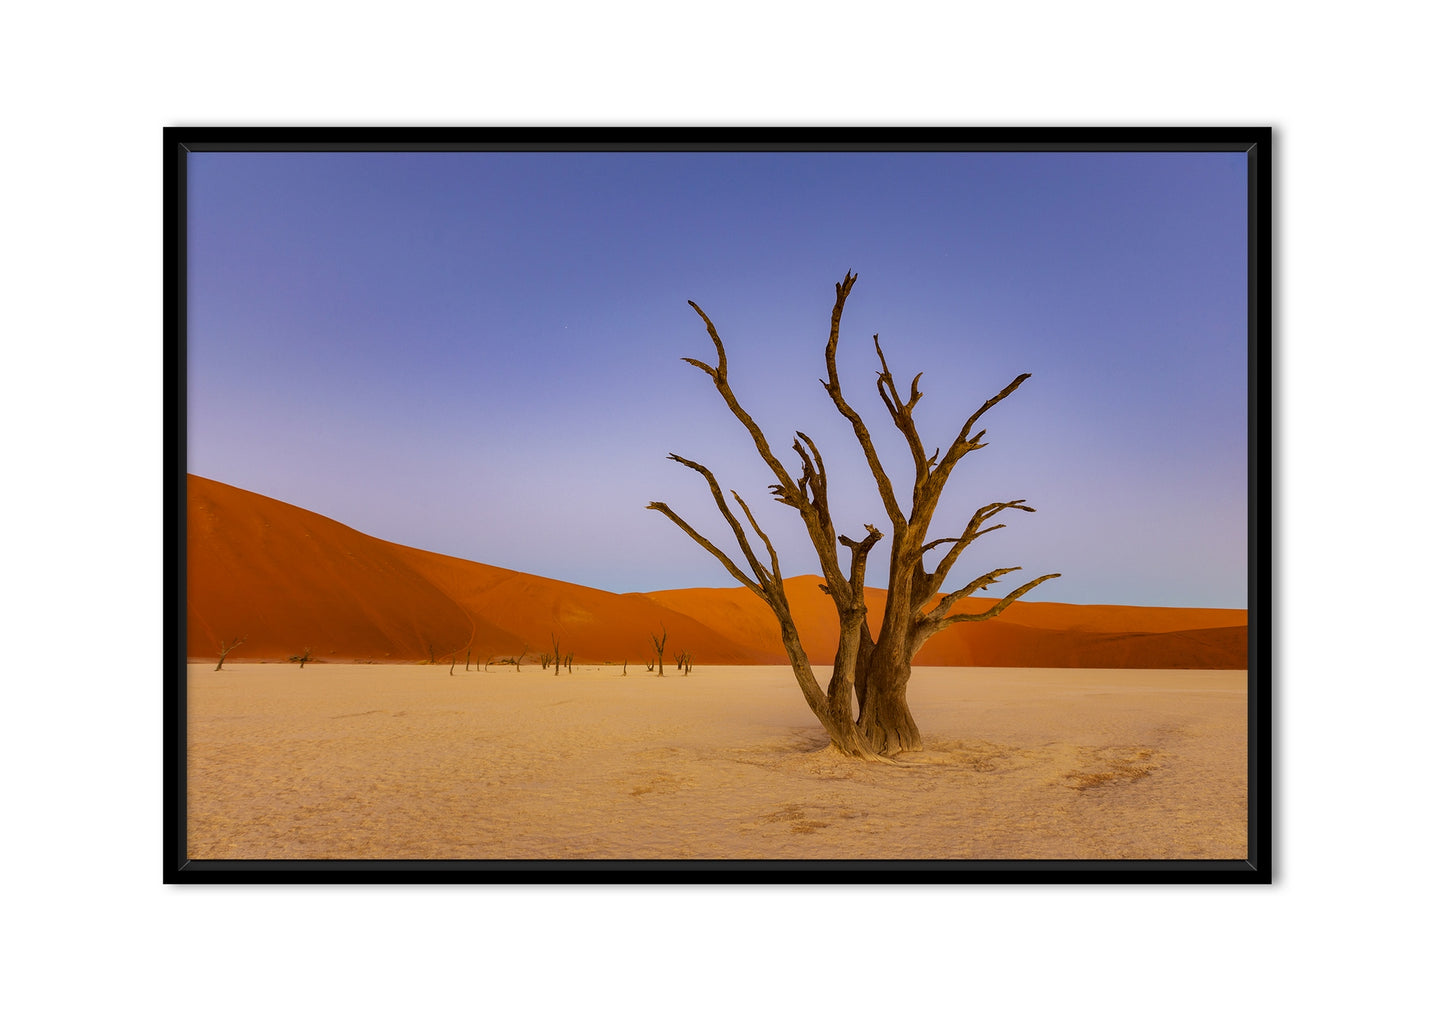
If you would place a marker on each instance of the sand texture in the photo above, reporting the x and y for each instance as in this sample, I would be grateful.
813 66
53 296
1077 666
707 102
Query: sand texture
287 579
409 762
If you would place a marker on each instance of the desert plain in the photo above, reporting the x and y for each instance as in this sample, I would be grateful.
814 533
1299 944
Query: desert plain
370 761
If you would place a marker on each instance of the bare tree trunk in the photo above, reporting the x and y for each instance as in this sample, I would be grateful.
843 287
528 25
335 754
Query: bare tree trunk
843 731
885 720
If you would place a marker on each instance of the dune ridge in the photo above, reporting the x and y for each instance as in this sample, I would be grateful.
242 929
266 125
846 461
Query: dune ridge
287 579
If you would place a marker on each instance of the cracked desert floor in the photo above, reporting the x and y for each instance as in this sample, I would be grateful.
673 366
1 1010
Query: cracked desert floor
362 761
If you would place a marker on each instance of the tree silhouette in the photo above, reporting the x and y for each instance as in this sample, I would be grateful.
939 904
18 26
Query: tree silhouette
226 648
876 670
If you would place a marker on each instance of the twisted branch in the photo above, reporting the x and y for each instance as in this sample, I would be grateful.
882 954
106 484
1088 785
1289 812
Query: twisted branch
964 443
902 413
707 544
722 506
971 532
938 618
858 566
835 390
777 576
808 494
719 374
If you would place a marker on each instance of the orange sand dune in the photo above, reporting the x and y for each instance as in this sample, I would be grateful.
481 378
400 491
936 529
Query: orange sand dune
998 643
1025 635
592 624
288 579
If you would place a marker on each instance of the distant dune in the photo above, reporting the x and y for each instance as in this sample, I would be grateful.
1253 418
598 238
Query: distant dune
1025 635
288 579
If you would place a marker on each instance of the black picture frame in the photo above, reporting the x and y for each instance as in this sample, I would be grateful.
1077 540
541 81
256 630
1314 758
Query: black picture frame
1256 868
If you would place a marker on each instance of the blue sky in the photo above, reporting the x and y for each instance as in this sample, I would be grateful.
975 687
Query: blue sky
479 354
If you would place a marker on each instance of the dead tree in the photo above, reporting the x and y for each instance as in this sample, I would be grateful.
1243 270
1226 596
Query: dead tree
302 658
875 669
226 648
556 658
516 661
569 663
657 644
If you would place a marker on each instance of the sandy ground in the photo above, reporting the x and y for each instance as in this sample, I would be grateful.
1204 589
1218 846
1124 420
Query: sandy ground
381 761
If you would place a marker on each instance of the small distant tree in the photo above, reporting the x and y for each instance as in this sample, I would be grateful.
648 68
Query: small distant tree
431 656
556 657
453 668
624 668
226 648
302 658
546 659
658 644
469 658
569 663
516 661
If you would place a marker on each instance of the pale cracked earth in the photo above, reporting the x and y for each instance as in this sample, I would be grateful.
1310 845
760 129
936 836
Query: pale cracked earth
361 761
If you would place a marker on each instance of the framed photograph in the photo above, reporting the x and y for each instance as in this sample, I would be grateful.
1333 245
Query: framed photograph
727 505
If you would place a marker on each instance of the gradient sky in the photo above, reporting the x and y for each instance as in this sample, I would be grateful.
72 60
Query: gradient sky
479 353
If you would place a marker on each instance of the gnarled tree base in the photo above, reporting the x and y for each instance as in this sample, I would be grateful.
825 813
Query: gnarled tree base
886 723
853 743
